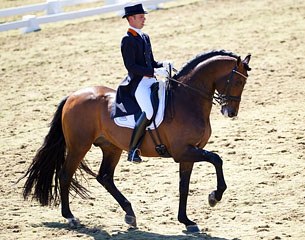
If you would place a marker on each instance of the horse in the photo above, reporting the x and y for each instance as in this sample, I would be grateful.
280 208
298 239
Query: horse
83 119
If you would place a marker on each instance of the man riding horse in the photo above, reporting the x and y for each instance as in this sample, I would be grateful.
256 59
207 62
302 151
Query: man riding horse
142 68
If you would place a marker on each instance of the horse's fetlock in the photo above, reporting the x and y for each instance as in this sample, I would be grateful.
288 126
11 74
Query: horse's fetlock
66 213
181 218
126 205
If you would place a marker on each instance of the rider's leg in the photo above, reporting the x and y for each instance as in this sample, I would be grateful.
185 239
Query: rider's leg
137 135
142 95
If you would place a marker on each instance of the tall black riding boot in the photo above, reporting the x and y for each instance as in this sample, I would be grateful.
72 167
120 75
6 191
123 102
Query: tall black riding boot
138 133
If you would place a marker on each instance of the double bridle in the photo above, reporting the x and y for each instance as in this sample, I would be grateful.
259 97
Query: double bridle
221 99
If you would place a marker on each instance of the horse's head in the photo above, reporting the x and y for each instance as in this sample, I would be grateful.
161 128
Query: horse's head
230 88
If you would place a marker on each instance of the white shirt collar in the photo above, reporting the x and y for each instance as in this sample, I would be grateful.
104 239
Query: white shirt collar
137 30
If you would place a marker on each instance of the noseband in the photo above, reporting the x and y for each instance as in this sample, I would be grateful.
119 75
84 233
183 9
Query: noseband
223 99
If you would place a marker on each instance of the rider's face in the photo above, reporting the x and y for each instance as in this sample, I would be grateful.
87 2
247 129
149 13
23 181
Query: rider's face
137 21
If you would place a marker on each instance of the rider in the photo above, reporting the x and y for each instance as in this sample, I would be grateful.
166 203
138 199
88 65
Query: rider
142 69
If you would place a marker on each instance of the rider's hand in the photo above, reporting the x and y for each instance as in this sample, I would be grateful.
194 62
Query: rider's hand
169 65
161 72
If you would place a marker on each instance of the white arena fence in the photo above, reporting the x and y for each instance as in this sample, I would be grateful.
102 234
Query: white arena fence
53 9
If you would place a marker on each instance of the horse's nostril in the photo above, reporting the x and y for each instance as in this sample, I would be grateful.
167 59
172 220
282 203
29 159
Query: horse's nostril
232 114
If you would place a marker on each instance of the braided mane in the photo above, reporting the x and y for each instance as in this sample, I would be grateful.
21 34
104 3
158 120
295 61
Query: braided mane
187 67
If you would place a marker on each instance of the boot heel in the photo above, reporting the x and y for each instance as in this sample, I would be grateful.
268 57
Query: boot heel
134 156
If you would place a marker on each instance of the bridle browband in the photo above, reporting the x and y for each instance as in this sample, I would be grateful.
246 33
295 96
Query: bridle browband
240 74
221 99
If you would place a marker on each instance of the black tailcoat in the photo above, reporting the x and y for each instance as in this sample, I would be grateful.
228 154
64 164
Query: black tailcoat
139 61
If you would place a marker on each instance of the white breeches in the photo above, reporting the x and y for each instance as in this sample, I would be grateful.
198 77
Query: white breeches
142 95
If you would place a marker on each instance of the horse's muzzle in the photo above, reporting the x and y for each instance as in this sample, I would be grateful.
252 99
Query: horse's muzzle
228 111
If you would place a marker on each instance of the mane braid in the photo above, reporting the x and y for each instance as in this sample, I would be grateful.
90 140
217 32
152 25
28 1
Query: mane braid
186 68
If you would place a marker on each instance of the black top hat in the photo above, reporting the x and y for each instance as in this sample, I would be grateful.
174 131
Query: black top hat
133 10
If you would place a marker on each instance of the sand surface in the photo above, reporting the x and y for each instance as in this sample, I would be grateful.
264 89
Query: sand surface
263 150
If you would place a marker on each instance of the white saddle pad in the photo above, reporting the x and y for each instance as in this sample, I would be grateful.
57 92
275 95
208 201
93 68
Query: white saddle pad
129 121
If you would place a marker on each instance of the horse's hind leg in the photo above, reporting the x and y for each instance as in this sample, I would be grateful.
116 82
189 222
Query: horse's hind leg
111 157
71 164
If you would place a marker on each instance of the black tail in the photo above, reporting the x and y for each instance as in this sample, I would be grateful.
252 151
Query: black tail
48 162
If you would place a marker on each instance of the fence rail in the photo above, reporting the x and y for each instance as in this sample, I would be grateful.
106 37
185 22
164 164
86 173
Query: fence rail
31 23
47 6
24 9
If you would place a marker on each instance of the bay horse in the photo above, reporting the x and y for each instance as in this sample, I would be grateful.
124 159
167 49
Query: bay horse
83 118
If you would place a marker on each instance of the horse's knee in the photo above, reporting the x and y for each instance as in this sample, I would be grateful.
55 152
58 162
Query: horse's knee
213 158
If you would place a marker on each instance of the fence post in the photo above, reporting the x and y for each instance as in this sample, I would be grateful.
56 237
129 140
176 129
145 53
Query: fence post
32 24
53 7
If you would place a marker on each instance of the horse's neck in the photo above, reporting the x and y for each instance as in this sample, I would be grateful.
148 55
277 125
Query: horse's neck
201 81
193 98
205 75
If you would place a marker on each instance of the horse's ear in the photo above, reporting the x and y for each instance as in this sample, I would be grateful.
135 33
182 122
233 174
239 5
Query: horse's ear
247 59
246 62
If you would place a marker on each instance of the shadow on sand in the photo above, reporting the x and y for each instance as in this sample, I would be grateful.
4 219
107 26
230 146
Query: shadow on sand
134 234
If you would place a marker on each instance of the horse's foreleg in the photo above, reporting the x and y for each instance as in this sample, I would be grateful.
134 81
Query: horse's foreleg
214 158
194 154
185 175
111 157
186 160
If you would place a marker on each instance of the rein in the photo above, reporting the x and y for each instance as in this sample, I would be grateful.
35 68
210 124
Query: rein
221 99
204 95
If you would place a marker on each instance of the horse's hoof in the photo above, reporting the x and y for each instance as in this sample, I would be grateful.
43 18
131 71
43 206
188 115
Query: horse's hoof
192 229
212 199
131 221
73 222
